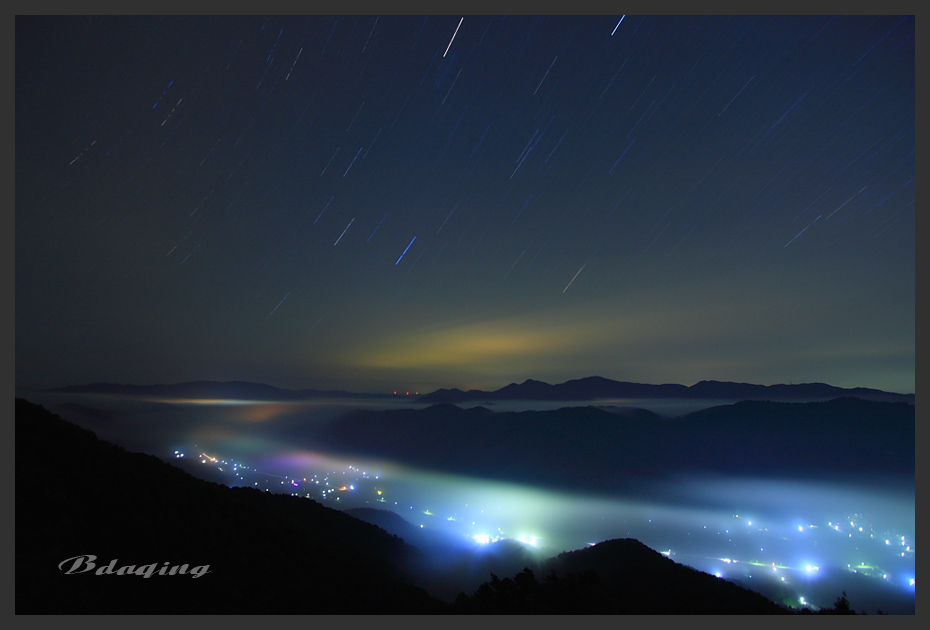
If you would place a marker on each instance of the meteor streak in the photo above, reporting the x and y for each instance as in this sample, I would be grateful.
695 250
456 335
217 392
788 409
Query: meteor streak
453 37
344 232
405 251
616 27
572 280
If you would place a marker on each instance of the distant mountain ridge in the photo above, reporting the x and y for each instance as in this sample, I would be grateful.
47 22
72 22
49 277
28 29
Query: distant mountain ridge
227 390
588 388
598 387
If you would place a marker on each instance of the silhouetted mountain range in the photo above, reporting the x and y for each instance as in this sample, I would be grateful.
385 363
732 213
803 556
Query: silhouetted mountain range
590 388
596 387
835 438
226 390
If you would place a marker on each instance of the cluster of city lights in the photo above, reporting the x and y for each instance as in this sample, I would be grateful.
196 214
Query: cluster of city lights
748 538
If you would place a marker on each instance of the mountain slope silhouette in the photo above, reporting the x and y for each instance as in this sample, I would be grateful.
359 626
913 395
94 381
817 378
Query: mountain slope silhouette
267 553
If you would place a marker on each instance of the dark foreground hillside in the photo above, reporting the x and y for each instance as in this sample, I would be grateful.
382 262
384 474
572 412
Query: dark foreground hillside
207 548
614 577
76 495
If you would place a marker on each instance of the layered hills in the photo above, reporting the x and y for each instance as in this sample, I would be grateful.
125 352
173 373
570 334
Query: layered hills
597 387
619 448
255 552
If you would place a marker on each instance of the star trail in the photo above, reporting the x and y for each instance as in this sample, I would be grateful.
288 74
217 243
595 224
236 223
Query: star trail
370 203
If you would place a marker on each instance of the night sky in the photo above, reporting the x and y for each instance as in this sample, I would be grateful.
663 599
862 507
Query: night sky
371 203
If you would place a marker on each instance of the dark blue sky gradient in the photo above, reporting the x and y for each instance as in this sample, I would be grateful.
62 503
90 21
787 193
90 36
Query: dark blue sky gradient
379 202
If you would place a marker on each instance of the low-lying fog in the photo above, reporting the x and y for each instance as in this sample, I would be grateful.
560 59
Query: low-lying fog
787 539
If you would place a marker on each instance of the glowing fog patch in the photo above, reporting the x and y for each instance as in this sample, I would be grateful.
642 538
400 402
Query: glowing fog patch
305 460
819 500
203 401
520 509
